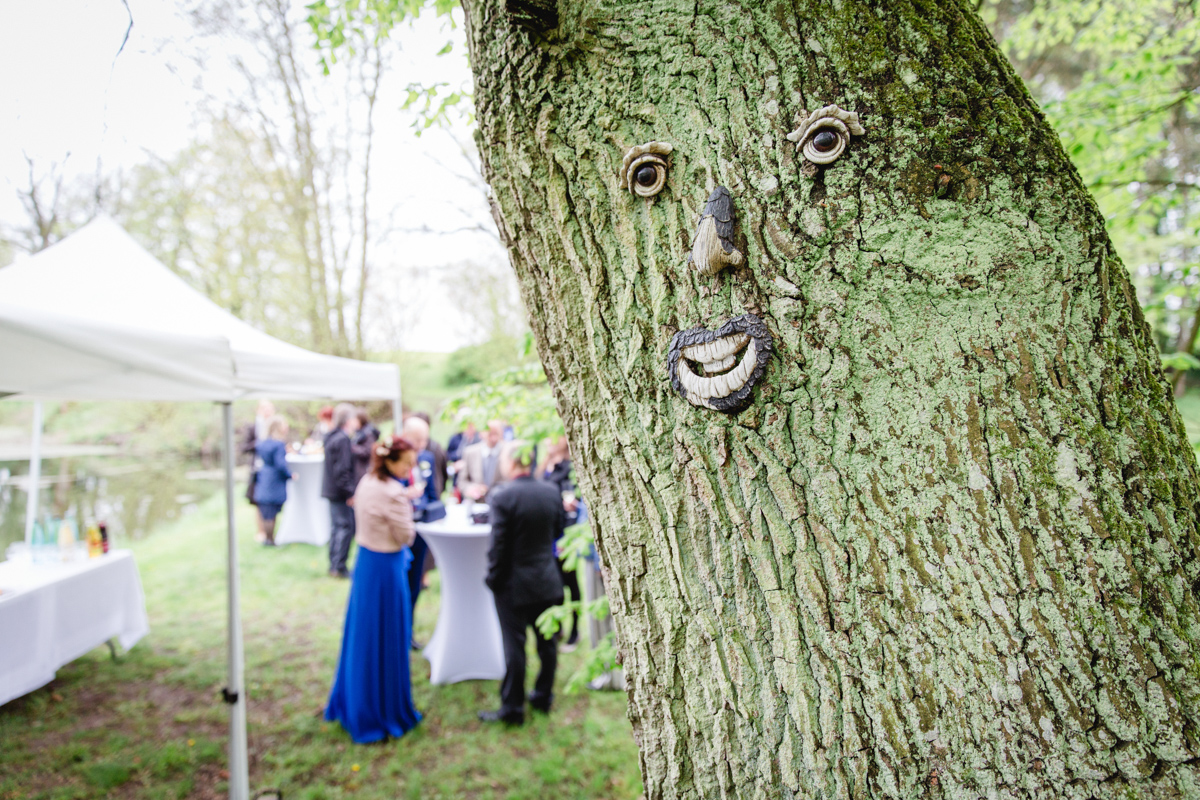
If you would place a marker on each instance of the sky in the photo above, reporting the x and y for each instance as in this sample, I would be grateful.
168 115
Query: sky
73 95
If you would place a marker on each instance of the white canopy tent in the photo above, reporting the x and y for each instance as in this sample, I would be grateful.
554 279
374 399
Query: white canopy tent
96 317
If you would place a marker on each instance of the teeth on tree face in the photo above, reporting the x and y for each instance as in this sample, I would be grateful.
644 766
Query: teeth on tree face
717 352
700 389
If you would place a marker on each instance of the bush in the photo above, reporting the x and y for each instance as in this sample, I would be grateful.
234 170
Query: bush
475 363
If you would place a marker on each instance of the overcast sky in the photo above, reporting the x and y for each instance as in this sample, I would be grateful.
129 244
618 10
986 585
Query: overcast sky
67 91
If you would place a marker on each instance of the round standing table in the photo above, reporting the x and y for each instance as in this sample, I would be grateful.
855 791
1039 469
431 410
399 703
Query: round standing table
305 516
466 643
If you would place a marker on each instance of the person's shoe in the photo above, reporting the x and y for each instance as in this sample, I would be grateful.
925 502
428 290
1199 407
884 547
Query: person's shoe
569 646
415 645
511 719
339 573
541 704
268 543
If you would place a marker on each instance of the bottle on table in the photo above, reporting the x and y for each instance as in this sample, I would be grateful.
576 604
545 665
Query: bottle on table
66 540
94 543
104 537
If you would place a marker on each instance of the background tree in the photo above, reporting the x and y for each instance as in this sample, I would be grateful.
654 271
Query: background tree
1119 81
315 156
950 547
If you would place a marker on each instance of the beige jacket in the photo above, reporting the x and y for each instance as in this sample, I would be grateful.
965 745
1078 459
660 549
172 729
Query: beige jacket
473 458
383 516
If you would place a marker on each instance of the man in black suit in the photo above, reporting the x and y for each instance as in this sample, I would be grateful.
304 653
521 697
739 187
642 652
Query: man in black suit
526 516
338 487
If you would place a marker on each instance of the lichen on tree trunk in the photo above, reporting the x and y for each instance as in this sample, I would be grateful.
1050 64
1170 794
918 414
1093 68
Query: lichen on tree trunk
950 549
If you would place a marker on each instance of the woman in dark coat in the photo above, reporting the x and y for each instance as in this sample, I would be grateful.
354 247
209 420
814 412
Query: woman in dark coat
270 484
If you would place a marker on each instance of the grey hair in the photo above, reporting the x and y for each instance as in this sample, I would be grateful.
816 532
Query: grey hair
342 414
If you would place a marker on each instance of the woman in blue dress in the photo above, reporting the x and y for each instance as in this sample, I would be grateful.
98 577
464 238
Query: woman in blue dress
270 482
372 690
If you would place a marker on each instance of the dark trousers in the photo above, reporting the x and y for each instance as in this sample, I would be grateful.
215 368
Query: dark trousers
513 622
417 570
341 534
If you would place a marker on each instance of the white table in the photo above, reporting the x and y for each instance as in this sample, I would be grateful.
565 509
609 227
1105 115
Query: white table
51 614
466 643
305 515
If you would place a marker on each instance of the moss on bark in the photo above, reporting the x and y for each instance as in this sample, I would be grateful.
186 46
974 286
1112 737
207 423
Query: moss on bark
950 549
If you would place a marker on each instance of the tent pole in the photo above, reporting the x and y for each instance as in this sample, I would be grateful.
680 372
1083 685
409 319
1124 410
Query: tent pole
235 695
397 407
35 474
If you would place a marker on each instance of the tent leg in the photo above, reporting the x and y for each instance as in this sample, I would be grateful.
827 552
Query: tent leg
235 695
35 474
397 407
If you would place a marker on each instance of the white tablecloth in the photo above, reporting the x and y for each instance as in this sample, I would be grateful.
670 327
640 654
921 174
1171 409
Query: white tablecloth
466 643
305 515
51 614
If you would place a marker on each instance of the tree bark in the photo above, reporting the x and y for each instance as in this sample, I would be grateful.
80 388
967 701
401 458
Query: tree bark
950 547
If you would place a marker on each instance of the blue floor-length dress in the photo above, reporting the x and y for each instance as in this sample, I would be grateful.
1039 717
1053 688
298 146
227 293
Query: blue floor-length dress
372 690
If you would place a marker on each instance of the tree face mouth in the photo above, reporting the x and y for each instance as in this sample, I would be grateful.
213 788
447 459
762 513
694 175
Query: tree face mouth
719 369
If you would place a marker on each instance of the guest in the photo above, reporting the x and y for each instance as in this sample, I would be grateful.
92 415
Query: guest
324 424
556 471
461 441
372 690
481 463
270 485
363 443
423 495
252 434
338 487
440 459
417 431
526 515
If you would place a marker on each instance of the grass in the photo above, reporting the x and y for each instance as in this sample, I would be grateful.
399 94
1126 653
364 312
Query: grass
152 725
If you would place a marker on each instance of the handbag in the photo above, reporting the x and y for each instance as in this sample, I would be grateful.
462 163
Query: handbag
434 511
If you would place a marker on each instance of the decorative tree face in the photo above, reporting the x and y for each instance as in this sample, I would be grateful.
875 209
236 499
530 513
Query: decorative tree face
718 370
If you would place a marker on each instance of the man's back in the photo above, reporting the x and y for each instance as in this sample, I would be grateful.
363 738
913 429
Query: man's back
527 516
338 481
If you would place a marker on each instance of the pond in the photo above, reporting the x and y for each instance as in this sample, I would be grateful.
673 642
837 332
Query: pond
132 495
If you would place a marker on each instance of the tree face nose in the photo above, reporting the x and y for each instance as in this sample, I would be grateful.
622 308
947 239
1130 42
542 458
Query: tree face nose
712 246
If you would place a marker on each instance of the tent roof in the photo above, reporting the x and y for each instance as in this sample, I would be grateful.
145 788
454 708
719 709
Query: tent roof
51 356
100 276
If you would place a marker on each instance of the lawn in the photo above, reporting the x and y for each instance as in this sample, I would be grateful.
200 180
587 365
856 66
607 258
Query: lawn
152 725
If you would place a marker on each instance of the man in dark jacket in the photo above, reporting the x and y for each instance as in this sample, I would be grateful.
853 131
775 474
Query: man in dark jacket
338 487
526 516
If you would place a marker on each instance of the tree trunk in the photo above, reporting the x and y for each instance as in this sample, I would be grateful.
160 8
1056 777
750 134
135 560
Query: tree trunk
949 546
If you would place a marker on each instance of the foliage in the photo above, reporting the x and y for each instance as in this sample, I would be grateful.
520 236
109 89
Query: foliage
477 362
338 25
519 395
576 545
154 721
1118 80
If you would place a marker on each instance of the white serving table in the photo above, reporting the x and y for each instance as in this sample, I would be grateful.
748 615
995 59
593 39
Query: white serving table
51 614
305 515
466 643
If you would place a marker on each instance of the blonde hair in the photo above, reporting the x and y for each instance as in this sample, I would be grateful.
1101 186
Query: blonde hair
277 425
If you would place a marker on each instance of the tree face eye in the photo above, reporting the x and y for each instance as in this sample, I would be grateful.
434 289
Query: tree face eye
824 134
825 141
644 170
646 175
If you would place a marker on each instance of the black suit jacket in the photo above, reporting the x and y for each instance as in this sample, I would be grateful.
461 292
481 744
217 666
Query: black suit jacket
527 516
338 483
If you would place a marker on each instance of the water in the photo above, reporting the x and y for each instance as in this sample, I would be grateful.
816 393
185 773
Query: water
134 496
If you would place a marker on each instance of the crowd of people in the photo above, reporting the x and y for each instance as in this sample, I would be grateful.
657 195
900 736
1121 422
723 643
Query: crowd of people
378 488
